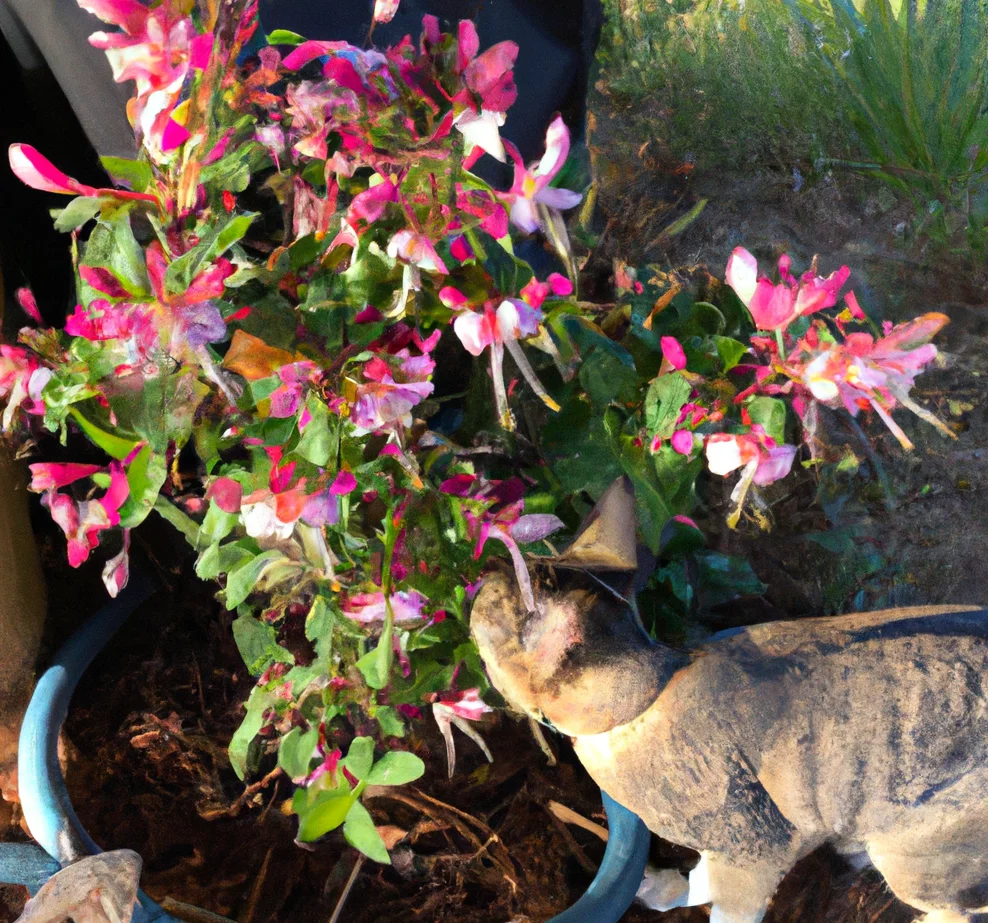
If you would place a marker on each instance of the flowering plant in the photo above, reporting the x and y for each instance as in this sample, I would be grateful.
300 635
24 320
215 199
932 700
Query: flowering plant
265 297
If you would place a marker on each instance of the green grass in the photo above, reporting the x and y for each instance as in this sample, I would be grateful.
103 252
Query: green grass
738 82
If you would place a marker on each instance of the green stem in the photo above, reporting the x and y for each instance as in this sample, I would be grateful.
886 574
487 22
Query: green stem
185 524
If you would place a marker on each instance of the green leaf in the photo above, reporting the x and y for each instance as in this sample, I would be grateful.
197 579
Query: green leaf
76 213
242 580
217 240
396 767
133 173
390 721
375 665
361 834
325 815
360 757
258 644
770 412
296 750
730 351
663 403
319 442
172 514
221 559
114 446
284 37
724 578
245 734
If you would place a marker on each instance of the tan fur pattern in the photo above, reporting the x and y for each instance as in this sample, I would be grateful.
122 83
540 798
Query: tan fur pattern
867 731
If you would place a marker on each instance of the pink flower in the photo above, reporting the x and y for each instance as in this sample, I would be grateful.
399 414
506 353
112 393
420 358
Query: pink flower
392 388
83 521
345 483
457 708
416 250
864 372
406 605
531 186
503 520
761 460
499 329
295 377
54 476
682 442
488 91
774 307
29 305
673 352
22 379
116 572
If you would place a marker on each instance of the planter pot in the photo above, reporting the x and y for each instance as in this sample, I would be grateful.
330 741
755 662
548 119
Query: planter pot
54 824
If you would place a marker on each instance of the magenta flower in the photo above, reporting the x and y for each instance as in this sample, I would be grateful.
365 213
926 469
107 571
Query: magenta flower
501 518
499 329
531 186
295 378
392 387
22 379
774 307
673 353
407 606
226 493
385 10
488 92
83 521
54 476
457 708
344 484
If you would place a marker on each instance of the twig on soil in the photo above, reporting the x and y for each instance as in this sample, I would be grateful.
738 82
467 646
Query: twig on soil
346 888
255 892
569 816
570 841
541 741
243 798
457 818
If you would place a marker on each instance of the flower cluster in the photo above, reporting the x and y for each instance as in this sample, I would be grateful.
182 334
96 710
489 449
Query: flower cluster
268 298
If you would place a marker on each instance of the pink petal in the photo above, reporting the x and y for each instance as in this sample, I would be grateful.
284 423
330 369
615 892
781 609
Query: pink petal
776 466
200 51
682 441
174 136
103 280
226 493
475 331
116 573
555 197
556 150
52 475
29 305
309 51
461 250
561 286
851 300
385 10
36 171
130 15
369 315
673 352
772 306
345 483
468 44
524 216
742 274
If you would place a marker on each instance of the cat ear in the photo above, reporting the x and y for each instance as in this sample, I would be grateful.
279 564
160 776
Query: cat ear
606 540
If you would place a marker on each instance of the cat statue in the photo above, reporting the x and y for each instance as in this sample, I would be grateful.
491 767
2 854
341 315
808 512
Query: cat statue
866 731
